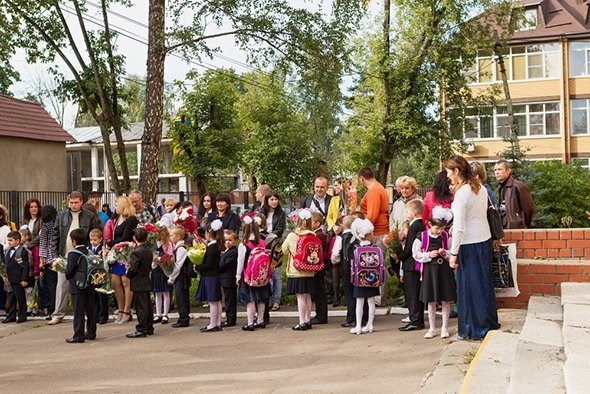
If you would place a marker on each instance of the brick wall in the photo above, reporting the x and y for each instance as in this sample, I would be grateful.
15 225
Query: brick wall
546 258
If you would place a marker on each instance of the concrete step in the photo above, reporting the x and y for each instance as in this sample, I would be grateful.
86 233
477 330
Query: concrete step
576 335
539 357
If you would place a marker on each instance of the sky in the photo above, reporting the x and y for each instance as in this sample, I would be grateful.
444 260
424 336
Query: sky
131 23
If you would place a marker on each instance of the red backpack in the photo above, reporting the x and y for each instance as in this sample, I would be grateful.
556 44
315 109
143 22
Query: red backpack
258 272
308 254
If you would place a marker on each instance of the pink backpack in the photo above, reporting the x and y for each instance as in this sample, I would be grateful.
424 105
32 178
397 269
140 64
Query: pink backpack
367 269
258 272
308 254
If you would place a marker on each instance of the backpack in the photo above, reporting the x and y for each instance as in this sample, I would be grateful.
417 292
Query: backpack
258 271
273 244
368 269
188 268
91 273
418 266
18 256
308 254
329 246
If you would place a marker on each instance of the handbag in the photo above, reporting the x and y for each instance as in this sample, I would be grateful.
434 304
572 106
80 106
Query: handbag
494 221
502 275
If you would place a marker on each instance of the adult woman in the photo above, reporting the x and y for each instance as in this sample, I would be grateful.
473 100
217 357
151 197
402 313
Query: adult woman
48 282
124 228
230 220
471 252
337 205
408 193
4 230
275 224
205 209
480 172
440 195
33 222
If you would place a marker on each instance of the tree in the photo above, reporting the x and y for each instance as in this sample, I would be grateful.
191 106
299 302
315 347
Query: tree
43 31
206 138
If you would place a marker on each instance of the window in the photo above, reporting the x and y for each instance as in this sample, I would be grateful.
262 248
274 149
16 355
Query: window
579 123
528 21
579 54
584 162
521 63
534 119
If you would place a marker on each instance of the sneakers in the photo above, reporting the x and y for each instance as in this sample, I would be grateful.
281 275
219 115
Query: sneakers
53 322
444 333
430 334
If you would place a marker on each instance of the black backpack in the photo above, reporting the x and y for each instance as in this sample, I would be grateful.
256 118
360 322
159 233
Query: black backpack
18 255
188 268
91 273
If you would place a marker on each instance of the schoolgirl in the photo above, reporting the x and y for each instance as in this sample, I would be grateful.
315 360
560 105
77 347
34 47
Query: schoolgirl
160 285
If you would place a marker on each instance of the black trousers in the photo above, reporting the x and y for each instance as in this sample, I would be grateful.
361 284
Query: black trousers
17 296
348 298
51 282
83 304
101 304
3 295
181 290
412 291
319 297
230 295
44 294
144 311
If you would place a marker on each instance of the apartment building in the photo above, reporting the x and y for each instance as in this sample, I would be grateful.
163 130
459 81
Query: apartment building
548 71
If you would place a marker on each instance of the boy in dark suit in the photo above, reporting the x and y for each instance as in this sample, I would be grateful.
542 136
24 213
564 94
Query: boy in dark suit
82 299
17 272
101 300
411 276
138 272
228 265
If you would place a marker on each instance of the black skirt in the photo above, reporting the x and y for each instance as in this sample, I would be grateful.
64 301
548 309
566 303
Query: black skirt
303 285
248 294
209 289
365 292
160 280
438 283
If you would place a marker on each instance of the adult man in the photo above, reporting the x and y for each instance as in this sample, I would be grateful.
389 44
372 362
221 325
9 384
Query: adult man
68 220
516 204
319 202
144 213
375 207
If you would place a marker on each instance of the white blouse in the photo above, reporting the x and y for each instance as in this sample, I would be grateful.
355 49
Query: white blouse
470 220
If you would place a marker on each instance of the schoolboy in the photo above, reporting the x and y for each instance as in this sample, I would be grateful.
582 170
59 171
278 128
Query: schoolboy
228 266
179 278
17 272
411 276
82 299
138 272
340 256
319 287
101 300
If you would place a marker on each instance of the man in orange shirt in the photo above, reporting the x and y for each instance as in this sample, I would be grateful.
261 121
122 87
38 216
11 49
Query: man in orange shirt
375 207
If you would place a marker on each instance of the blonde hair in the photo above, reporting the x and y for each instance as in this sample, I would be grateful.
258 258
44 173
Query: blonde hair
163 234
304 224
95 232
479 170
170 200
124 207
178 230
408 181
415 206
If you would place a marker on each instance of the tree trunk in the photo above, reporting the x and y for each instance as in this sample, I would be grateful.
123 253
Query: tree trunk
152 135
385 159
108 152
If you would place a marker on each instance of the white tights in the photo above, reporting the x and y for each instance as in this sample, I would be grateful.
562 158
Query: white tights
446 312
253 310
360 303
162 301
214 314
304 307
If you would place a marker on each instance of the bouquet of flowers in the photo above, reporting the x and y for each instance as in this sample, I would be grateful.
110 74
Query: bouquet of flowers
58 264
187 220
392 242
152 241
196 253
3 274
122 251
166 262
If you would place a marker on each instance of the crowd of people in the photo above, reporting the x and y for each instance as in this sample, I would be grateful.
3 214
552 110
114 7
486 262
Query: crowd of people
441 255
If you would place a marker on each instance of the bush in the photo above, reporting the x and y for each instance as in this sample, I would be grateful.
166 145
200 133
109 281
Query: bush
561 193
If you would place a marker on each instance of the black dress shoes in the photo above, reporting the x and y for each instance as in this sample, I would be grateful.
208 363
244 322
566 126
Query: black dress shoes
315 320
411 327
248 327
136 334
177 325
300 327
21 320
260 325
90 337
347 325
74 340
8 320
212 329
227 324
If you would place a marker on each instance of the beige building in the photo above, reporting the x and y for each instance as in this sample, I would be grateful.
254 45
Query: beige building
548 71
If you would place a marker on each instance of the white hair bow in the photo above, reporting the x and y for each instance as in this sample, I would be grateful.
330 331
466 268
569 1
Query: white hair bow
216 225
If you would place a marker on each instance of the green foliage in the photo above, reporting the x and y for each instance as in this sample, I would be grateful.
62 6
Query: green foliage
559 191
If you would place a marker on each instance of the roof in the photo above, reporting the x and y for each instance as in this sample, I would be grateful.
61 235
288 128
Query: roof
25 119
133 132
556 18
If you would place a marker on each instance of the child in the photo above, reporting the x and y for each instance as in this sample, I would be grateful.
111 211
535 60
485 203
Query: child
210 285
228 266
319 293
438 284
160 285
82 300
179 277
300 283
362 230
101 300
25 238
253 297
410 275
16 260
138 272
340 259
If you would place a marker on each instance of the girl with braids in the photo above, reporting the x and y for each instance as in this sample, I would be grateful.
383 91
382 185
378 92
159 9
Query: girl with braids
471 252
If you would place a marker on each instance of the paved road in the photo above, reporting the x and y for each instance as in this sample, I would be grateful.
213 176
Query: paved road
34 358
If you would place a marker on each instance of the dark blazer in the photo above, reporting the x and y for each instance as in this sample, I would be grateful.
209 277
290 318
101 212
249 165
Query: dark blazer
97 251
308 202
124 232
279 221
87 221
140 266
228 266
17 272
405 255
230 221
210 266
72 268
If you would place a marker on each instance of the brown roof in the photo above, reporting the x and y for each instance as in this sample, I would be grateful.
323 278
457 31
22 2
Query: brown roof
24 119
556 18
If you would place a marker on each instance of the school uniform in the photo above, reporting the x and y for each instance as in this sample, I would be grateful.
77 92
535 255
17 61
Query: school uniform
438 282
412 278
17 271
101 300
319 287
228 265
347 288
82 300
140 265
209 289
247 293
182 285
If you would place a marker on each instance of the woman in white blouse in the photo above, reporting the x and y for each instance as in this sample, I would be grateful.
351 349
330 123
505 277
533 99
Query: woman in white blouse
471 252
